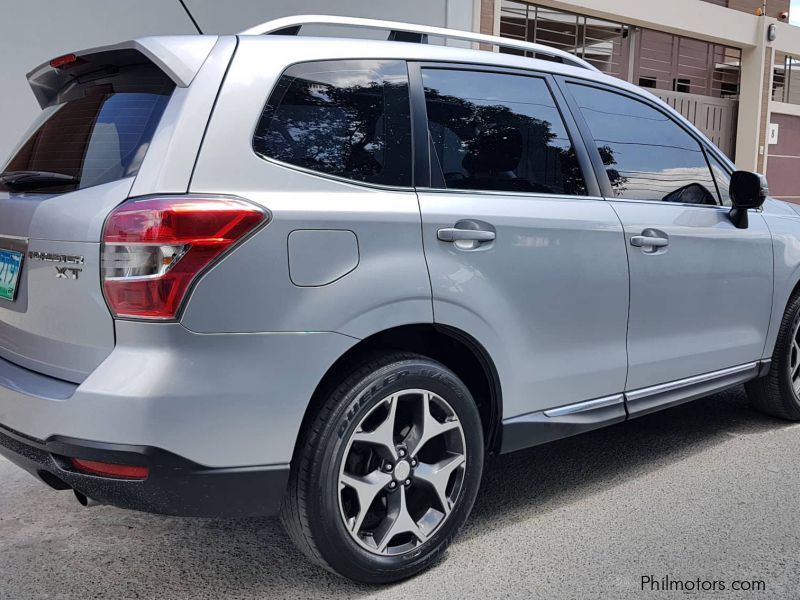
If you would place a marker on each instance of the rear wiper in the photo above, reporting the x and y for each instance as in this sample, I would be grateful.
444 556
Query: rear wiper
21 180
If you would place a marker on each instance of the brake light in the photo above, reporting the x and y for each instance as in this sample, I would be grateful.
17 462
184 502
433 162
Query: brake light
93 467
154 249
61 62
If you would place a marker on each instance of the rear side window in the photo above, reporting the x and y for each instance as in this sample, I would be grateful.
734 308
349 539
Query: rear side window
499 132
98 132
347 118
647 155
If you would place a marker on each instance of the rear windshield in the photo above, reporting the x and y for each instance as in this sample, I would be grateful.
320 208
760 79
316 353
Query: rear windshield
98 132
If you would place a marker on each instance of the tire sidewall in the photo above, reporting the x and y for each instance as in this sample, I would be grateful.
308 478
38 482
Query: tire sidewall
784 358
333 540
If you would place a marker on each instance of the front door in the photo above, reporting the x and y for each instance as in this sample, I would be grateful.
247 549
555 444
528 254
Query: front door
701 289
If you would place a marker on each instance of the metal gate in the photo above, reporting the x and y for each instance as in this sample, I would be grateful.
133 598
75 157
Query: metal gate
716 117
700 80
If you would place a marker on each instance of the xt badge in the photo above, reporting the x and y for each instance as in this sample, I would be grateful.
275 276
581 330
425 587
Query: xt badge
67 272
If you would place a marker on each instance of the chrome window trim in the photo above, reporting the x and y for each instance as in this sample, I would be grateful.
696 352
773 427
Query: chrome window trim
718 207
536 195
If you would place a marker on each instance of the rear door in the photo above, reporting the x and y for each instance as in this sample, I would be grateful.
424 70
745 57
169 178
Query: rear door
701 289
523 253
76 163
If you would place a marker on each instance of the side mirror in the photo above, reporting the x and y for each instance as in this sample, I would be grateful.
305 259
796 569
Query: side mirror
747 190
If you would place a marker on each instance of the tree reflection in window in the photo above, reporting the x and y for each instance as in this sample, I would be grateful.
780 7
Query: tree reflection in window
499 132
344 118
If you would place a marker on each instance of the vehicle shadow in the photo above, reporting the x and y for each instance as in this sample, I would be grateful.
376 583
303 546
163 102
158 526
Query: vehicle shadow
543 478
161 557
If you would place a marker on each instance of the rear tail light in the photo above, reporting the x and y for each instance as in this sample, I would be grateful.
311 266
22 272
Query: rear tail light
154 249
93 467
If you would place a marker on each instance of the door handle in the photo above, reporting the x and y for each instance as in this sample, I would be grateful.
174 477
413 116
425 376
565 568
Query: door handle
641 241
454 234
650 240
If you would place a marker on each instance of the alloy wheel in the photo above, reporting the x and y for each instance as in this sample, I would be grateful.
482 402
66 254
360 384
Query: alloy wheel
794 360
402 472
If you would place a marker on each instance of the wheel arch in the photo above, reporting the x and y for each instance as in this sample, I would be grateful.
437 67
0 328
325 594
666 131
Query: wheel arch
455 349
779 307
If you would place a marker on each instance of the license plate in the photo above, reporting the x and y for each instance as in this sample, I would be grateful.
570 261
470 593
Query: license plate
10 267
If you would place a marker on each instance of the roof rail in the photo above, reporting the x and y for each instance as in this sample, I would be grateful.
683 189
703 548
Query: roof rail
291 26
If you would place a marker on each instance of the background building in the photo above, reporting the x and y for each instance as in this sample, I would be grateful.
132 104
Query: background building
710 59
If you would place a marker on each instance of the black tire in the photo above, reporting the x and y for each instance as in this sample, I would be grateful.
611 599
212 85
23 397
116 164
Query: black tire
311 513
773 394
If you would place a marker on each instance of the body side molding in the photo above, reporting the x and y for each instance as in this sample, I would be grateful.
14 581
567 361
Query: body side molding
552 424
580 407
650 399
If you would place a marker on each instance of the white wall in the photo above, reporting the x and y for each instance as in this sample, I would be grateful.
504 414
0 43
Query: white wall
234 15
34 31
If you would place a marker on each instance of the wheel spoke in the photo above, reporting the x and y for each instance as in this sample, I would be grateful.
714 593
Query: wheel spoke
438 475
794 358
398 520
383 434
367 488
794 362
429 427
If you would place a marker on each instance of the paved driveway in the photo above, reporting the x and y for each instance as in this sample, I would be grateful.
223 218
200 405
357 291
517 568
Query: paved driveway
708 490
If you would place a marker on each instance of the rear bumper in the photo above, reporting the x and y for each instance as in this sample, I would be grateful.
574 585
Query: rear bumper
218 400
174 486
214 416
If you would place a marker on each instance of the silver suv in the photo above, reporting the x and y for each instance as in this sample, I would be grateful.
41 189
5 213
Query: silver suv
244 275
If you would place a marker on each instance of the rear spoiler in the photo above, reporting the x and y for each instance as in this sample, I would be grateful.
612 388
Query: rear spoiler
179 56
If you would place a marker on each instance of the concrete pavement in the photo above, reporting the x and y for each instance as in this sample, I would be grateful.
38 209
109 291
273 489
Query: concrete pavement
708 490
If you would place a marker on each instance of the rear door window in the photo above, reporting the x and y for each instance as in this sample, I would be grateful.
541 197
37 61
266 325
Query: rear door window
98 132
647 155
347 118
499 132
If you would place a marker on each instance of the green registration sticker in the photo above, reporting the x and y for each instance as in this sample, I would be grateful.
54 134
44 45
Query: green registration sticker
10 266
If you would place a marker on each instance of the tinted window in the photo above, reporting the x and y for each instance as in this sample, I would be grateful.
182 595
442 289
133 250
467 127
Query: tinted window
98 132
722 177
647 155
501 132
344 118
